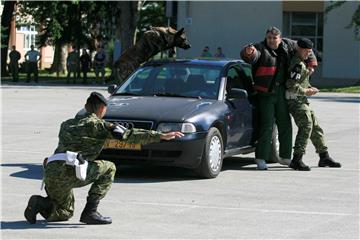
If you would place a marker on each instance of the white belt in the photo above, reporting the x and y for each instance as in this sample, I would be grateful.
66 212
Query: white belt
70 158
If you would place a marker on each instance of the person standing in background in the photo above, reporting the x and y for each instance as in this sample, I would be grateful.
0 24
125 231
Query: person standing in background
14 63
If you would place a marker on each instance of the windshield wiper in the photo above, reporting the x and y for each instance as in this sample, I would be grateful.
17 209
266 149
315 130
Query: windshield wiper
126 94
168 94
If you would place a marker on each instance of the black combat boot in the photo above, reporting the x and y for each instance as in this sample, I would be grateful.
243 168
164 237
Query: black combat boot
297 163
90 214
37 204
327 161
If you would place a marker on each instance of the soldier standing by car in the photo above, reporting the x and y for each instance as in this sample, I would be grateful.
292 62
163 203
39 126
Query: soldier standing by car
270 60
84 136
298 88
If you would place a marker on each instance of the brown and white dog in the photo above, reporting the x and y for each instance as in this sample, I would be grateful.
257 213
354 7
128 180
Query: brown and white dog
155 40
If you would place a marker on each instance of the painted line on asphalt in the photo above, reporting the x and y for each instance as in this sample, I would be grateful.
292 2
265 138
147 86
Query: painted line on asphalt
18 151
237 208
196 206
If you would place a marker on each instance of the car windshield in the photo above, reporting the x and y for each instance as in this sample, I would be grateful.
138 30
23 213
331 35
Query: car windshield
174 80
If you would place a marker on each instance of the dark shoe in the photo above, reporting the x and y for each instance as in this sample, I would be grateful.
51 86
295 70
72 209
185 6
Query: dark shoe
35 205
46 207
297 164
91 216
327 161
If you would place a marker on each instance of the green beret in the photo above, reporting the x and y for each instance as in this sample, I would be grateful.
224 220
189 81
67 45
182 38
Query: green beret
99 97
305 43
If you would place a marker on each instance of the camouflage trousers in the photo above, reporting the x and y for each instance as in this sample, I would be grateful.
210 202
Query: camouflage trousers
60 179
308 127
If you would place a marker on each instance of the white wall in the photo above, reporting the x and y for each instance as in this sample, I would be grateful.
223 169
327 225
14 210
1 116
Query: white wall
341 53
227 24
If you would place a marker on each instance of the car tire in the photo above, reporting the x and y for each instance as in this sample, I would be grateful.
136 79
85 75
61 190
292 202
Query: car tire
213 154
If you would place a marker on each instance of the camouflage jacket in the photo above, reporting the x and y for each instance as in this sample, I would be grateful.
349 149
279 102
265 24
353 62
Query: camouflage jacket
298 79
87 135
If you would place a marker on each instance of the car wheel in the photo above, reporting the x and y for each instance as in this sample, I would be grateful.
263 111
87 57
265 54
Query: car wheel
212 157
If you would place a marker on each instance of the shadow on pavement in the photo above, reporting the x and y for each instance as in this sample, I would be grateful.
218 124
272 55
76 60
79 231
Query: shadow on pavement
242 164
32 171
40 224
150 174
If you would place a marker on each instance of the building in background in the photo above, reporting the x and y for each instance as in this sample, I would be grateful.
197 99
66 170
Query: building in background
25 35
231 25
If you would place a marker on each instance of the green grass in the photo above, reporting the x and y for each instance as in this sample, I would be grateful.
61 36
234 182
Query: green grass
352 89
47 78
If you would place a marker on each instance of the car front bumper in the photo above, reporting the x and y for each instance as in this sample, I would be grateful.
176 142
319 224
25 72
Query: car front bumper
185 152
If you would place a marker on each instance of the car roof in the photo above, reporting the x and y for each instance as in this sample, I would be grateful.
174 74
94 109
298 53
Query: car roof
203 62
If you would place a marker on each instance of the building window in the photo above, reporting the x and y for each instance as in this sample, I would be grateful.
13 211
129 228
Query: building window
304 24
29 35
29 39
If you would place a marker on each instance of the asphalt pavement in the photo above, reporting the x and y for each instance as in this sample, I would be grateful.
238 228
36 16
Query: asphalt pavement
172 203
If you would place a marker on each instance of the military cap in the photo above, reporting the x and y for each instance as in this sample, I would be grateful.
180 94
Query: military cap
98 96
305 43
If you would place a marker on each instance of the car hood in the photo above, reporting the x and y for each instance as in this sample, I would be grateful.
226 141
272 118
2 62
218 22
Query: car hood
169 109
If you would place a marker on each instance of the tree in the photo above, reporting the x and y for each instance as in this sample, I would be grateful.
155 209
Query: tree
152 14
60 23
6 18
129 16
355 20
85 23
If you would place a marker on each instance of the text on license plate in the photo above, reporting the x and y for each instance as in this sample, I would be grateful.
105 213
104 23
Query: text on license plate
117 144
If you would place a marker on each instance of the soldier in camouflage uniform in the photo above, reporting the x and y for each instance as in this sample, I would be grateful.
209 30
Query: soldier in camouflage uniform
85 135
298 88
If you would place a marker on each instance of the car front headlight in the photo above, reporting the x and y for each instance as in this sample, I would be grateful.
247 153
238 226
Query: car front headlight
177 127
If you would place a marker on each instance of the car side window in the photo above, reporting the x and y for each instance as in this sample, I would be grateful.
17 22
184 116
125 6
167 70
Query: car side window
240 77
137 84
234 80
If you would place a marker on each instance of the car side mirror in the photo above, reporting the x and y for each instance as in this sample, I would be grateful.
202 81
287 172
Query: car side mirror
111 88
237 93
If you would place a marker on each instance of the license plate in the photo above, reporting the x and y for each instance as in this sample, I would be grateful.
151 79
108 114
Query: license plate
117 144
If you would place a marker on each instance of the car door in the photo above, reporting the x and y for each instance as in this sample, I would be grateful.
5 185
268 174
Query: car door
239 116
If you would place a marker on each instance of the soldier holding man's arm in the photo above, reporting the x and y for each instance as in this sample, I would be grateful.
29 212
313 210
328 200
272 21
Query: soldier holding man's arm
298 88
80 138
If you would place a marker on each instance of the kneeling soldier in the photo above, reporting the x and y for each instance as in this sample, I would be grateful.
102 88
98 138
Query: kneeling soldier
298 88
81 140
